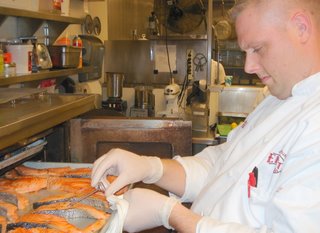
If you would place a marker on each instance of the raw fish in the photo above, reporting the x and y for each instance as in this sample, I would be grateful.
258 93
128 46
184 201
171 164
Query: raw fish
44 221
95 201
15 198
3 224
9 211
23 184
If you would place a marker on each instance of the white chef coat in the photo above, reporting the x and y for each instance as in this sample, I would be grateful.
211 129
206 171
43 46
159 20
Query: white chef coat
282 139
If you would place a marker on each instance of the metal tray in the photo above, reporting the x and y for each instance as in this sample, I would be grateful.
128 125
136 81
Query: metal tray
24 153
80 222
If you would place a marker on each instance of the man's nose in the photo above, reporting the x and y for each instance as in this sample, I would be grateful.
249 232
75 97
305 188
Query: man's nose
251 65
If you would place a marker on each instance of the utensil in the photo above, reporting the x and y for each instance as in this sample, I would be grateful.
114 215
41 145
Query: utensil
83 197
96 26
99 188
88 24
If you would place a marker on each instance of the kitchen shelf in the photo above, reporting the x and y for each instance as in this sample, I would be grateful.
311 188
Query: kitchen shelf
6 11
29 22
27 117
4 81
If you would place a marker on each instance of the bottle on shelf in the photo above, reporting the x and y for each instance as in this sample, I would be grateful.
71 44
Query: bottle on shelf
77 42
153 25
1 63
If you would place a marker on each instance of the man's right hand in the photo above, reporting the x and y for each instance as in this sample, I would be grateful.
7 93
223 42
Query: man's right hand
128 167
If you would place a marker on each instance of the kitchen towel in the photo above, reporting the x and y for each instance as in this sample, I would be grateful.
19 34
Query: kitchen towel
119 208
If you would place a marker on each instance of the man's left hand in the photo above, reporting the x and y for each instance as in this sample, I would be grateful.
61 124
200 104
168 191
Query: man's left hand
147 209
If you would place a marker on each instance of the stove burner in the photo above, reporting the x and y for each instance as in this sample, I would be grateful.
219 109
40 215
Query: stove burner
116 104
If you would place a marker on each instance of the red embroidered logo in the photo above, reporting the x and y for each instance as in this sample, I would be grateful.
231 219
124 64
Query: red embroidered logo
277 159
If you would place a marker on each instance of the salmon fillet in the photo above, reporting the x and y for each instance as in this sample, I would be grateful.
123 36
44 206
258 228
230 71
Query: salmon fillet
56 207
15 198
51 221
78 185
9 211
74 185
29 171
23 184
12 174
3 224
97 201
78 210
57 171
35 230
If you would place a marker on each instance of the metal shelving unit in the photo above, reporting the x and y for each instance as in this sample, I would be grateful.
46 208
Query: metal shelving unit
29 22
4 81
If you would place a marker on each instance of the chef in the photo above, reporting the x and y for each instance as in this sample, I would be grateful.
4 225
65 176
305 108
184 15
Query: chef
266 177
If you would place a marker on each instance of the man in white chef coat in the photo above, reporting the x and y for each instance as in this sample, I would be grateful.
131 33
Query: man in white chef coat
266 177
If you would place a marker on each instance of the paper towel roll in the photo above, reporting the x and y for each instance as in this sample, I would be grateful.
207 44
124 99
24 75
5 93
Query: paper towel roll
214 73
90 87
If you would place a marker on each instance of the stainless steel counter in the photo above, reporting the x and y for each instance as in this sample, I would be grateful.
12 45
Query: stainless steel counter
25 117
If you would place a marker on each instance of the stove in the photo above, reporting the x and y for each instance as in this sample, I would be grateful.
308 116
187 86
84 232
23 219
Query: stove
115 103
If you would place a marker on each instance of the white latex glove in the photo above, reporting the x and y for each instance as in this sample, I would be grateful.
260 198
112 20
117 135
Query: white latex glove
147 209
129 167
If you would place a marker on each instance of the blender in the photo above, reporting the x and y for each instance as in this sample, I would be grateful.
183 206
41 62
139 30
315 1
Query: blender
114 93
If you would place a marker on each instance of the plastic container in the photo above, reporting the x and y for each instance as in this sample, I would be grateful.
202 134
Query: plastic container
21 55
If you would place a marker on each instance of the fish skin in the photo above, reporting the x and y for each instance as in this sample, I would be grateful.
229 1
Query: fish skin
62 208
35 230
25 225
96 202
77 211
50 221
15 198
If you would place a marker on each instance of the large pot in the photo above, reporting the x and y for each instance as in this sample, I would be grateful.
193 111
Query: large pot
114 84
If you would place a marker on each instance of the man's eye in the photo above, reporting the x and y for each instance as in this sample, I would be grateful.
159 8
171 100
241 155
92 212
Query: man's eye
255 50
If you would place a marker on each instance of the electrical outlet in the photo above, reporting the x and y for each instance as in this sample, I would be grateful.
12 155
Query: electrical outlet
190 55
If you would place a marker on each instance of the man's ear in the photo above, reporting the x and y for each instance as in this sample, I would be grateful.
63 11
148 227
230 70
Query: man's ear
302 24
